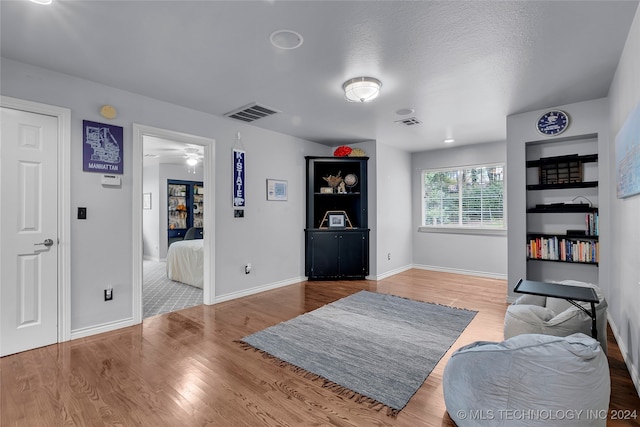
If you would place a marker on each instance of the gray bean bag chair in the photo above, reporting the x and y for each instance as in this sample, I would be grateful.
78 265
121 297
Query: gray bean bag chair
529 380
532 314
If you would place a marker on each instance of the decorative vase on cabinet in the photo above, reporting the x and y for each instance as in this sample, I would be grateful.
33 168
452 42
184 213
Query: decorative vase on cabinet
336 233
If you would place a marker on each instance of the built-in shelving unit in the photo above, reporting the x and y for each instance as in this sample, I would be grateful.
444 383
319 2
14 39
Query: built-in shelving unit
337 233
184 208
562 213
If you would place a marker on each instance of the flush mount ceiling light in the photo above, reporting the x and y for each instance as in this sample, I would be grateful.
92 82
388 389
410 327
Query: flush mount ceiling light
449 141
42 1
192 155
361 89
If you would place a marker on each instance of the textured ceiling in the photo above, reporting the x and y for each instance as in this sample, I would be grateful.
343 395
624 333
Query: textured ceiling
462 66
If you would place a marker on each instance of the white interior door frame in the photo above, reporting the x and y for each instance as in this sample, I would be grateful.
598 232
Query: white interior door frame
139 132
63 116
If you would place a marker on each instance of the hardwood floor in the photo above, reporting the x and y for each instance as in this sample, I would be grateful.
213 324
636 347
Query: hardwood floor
184 368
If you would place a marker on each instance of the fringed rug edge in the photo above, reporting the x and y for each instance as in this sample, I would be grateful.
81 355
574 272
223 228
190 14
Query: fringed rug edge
328 384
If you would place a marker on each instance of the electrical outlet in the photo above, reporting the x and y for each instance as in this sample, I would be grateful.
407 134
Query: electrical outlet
247 269
108 294
389 256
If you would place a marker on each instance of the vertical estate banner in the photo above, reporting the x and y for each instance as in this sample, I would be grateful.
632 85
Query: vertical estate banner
102 148
238 178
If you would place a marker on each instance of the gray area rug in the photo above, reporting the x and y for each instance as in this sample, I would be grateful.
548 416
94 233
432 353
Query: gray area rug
374 348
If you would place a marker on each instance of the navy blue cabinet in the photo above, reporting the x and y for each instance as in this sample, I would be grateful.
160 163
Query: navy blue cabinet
184 208
337 233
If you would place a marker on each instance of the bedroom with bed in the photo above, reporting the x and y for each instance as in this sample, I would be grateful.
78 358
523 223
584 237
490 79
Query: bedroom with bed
173 207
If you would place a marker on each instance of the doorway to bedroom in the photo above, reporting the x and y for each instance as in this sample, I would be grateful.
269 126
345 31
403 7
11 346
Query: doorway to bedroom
172 231
174 267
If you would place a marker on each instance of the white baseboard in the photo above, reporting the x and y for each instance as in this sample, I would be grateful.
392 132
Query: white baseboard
633 371
105 327
390 273
460 271
258 289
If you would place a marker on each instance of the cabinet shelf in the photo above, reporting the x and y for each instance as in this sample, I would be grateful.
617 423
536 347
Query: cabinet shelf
354 194
583 184
566 262
562 236
589 158
575 208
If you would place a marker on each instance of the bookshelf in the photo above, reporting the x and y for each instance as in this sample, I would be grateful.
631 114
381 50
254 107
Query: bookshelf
562 232
336 233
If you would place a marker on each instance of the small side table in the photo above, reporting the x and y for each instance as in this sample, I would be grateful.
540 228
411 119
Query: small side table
567 292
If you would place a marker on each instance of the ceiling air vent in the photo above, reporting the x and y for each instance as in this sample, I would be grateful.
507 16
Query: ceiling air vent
251 112
409 122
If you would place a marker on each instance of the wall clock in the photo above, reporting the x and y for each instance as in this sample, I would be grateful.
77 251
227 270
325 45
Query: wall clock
553 122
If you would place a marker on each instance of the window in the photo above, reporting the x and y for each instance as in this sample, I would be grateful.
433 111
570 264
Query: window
470 197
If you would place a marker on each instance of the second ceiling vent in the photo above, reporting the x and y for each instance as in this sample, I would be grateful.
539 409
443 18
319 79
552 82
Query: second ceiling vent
251 112
409 122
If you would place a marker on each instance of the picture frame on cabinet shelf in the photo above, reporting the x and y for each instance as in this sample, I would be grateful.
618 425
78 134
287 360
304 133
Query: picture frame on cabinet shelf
336 220
326 190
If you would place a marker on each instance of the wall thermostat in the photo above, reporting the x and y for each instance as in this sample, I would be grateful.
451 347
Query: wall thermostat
111 180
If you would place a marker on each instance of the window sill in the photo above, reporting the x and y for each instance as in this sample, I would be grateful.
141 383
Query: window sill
464 230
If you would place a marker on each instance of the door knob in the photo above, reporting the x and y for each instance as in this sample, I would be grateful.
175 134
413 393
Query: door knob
47 243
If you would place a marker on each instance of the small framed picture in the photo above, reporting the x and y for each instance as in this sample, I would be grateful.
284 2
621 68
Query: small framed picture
276 189
146 201
336 220
326 190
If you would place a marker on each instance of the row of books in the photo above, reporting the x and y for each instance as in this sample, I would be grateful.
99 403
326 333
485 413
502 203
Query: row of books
563 249
592 224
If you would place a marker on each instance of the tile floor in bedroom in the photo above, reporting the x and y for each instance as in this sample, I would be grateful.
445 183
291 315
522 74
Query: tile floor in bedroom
161 295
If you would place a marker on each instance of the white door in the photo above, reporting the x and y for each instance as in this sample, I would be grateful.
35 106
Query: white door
28 231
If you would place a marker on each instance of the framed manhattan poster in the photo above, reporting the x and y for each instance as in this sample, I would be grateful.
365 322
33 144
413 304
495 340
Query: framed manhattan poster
102 148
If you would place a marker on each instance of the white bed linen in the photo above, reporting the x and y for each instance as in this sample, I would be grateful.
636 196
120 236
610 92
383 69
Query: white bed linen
185 262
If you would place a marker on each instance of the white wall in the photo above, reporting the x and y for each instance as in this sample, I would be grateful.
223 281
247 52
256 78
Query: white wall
393 211
624 288
586 118
270 236
484 255
151 217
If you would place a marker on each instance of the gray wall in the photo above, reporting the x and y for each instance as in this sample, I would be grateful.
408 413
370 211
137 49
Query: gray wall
393 206
270 236
624 286
477 254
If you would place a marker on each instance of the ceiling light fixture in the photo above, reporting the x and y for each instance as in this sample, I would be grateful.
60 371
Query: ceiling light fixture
361 89
449 141
192 155
42 1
